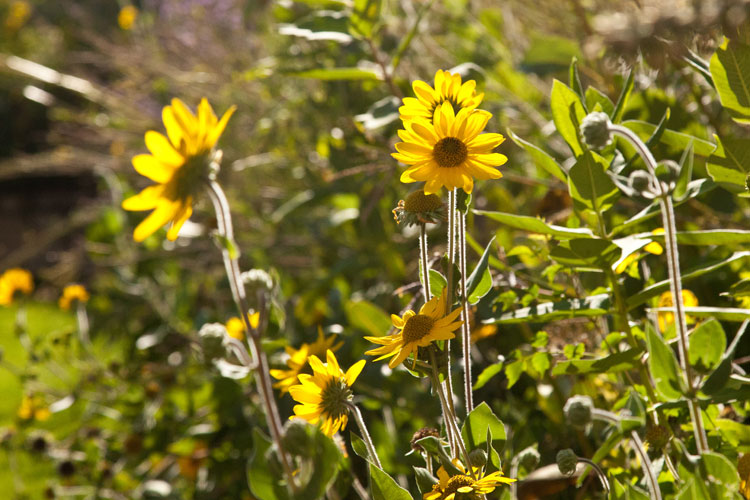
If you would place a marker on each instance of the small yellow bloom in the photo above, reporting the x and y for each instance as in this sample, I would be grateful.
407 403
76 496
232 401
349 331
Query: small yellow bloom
15 280
18 13
416 330
178 165
236 328
127 16
451 151
743 468
665 300
297 361
33 408
654 247
470 488
448 88
71 293
325 395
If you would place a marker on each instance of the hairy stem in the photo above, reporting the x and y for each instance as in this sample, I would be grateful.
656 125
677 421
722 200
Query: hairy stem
365 435
424 262
465 330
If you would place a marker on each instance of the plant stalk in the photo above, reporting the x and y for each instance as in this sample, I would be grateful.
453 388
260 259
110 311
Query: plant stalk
424 262
465 329
365 435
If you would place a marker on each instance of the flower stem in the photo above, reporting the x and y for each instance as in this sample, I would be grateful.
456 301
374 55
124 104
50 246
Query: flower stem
465 330
675 280
424 262
599 473
260 362
365 435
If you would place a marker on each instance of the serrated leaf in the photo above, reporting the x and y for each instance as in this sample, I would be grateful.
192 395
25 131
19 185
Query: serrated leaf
567 113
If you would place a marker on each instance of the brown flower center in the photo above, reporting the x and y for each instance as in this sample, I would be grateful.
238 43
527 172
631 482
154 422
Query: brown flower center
420 202
417 327
450 152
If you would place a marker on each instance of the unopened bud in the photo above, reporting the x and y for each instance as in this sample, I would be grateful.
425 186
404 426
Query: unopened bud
477 457
212 338
595 130
295 436
657 437
578 411
567 462
528 458
640 182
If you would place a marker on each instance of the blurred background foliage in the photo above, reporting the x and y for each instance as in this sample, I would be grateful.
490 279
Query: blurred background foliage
311 182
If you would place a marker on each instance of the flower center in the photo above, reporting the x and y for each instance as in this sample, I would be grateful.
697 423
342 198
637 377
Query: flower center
449 152
417 327
420 202
189 176
457 482
334 398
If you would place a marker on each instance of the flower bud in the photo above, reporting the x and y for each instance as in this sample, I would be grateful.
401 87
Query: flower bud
578 411
595 130
419 208
212 337
640 182
528 458
295 436
420 434
657 437
567 462
477 457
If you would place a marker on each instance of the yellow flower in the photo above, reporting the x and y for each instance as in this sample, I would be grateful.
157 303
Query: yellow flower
449 152
18 14
743 468
417 330
127 16
654 247
236 328
15 280
325 395
448 88
298 359
177 165
448 486
33 408
665 300
71 293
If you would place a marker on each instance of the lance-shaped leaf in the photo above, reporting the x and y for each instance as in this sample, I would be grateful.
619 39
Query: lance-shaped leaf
595 305
535 225
589 185
730 163
567 113
663 367
541 159
730 71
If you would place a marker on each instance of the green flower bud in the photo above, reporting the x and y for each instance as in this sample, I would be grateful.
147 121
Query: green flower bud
478 457
212 338
578 411
419 208
595 130
567 462
295 437
528 458
657 437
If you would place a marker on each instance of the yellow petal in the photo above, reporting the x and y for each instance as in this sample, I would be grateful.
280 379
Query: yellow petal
163 213
353 372
182 215
145 200
424 92
218 129
161 148
151 167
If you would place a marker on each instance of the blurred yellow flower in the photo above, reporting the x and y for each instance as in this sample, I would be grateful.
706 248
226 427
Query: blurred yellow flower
448 88
33 408
653 248
326 394
127 16
448 487
450 151
298 359
743 468
71 293
417 330
178 165
236 328
665 300
15 280
18 13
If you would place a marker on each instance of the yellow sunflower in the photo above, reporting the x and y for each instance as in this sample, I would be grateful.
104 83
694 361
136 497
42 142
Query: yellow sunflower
448 88
325 395
667 318
450 152
236 328
15 280
416 330
298 359
177 165
448 486
71 293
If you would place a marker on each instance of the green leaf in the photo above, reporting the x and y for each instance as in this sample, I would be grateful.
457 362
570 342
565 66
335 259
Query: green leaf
663 367
474 431
368 317
730 163
540 158
617 362
261 477
586 252
574 351
589 185
658 288
567 113
622 101
384 487
594 97
686 173
487 375
480 280
707 237
719 475
730 71
365 16
717 380
707 344
338 74
425 480
434 447
513 371
677 140
740 289
535 225
437 280
574 79
359 446
595 305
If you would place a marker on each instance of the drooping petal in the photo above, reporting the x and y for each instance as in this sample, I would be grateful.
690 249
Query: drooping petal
353 372
145 200
163 213
183 215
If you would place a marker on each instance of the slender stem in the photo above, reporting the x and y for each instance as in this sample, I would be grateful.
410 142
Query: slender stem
675 280
465 330
425 263
599 473
83 323
450 418
653 484
260 362
450 287
365 435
